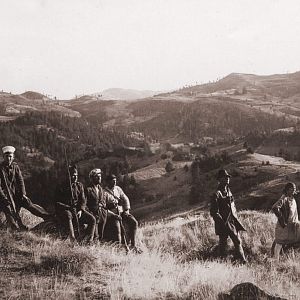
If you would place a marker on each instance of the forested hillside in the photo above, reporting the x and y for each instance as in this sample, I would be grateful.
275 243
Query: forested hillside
41 140
193 121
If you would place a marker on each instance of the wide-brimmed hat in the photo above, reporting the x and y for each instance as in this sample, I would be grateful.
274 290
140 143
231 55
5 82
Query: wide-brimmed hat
8 149
222 173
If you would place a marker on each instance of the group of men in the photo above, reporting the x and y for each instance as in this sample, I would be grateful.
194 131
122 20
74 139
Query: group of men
84 214
94 213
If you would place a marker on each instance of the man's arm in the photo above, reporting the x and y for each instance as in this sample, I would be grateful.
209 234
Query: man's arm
125 203
110 202
81 197
276 208
214 208
19 180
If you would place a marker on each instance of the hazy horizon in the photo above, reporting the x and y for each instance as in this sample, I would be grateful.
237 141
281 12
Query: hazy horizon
64 48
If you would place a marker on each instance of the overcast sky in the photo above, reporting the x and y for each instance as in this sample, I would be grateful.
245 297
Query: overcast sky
68 47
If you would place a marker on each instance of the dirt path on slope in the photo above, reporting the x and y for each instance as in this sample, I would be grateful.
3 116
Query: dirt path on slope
277 161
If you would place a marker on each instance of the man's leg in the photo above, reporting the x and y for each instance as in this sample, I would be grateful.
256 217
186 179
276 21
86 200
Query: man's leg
18 219
35 209
132 223
10 218
223 245
238 246
66 218
112 230
277 250
90 220
102 218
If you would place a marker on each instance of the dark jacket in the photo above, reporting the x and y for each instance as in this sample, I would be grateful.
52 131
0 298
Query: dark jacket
64 195
223 211
12 176
95 201
282 210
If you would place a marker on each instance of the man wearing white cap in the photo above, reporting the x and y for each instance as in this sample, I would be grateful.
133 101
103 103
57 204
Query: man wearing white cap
12 188
96 203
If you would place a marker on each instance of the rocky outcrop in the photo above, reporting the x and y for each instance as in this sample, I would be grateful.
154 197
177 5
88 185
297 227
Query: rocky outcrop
247 291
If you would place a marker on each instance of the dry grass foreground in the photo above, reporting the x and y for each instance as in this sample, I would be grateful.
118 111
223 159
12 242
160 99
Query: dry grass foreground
177 263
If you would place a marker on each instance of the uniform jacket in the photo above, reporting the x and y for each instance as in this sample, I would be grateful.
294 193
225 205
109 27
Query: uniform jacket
282 210
116 196
223 211
95 201
64 195
13 176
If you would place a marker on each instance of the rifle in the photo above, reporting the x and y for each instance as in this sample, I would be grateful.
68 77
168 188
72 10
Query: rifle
123 233
16 219
73 208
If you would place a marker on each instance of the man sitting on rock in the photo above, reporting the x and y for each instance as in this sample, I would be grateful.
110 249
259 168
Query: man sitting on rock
12 192
119 203
71 208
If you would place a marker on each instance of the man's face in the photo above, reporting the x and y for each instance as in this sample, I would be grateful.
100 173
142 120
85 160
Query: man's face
112 183
291 191
74 177
224 180
96 179
8 158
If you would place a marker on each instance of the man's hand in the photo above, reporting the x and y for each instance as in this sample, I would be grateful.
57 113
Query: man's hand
79 213
126 212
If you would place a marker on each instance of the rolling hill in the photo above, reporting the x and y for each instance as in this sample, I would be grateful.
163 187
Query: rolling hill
124 94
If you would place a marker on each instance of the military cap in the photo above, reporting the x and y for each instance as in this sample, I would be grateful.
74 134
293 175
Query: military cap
94 172
8 149
222 173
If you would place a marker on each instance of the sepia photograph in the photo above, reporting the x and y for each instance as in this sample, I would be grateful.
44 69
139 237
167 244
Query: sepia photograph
150 149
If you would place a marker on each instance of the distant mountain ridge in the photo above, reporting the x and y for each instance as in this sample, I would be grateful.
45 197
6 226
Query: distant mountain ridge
124 94
278 85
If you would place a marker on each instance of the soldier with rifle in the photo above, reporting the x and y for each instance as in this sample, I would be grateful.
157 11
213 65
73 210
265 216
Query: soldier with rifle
119 203
71 208
13 194
223 211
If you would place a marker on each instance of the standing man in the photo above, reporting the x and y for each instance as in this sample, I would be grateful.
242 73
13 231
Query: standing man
96 202
13 193
116 197
223 211
71 207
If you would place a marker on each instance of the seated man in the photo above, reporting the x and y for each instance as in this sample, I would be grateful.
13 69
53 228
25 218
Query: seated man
96 203
12 192
71 208
119 203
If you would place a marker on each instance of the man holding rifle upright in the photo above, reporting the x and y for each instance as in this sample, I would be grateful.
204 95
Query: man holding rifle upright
118 202
71 208
12 192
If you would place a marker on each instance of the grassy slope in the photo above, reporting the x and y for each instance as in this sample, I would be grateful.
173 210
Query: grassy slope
177 263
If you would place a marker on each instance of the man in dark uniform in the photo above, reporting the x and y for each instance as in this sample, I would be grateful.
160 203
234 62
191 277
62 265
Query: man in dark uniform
12 191
115 197
223 211
96 203
71 208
